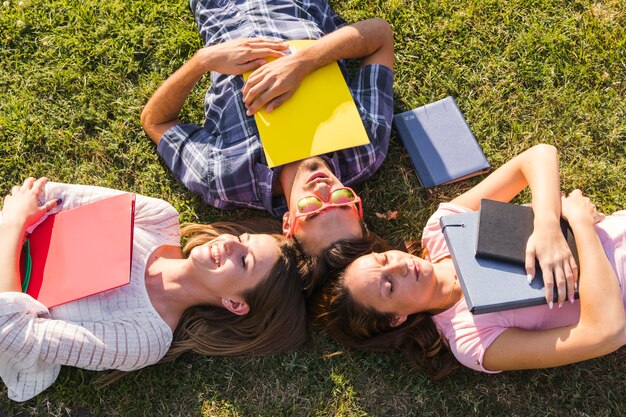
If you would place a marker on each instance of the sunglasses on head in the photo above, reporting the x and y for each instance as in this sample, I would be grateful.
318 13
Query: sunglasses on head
311 204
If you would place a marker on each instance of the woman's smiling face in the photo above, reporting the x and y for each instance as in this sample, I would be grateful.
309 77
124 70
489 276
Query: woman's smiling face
236 264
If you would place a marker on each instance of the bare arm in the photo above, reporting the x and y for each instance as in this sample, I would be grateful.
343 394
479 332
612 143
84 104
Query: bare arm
233 57
20 210
602 325
274 83
538 168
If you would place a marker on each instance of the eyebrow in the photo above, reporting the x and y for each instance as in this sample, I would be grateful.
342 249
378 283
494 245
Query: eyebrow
381 281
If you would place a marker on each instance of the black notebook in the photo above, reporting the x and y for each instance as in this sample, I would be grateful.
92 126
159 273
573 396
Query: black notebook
504 229
441 145
488 285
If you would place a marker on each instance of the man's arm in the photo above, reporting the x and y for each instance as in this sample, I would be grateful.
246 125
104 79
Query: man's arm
233 57
275 82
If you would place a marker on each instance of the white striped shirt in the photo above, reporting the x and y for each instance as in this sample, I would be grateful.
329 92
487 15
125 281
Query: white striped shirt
115 329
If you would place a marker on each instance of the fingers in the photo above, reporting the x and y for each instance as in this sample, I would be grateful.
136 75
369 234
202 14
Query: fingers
49 205
274 45
252 65
274 104
529 264
269 94
563 277
548 282
38 184
265 51
266 84
256 84
28 184
571 274
255 49
561 284
576 193
250 55
259 96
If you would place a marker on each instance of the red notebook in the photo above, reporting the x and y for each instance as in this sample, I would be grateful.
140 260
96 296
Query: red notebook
82 251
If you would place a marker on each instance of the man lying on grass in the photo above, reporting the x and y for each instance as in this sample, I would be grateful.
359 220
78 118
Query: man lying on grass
223 160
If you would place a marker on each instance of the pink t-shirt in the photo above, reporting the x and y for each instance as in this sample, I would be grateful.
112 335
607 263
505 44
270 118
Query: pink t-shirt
470 335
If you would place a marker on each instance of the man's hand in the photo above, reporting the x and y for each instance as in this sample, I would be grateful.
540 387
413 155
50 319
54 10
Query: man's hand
233 58
273 84
240 55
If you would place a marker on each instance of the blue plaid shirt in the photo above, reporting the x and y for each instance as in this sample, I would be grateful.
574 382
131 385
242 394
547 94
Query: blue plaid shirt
223 160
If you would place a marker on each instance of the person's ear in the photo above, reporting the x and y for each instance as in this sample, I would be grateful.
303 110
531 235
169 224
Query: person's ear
286 223
237 307
398 319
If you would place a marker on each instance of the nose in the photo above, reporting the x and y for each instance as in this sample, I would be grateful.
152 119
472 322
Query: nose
234 247
398 266
322 190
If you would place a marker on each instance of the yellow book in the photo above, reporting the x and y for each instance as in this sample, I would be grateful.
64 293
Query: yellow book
320 117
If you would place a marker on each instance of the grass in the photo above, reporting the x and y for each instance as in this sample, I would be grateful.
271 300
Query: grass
74 76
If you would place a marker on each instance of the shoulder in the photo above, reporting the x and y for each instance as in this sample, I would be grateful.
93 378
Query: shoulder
468 336
151 211
432 236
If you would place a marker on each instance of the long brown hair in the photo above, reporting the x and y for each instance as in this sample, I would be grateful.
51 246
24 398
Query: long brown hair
360 327
277 318
338 256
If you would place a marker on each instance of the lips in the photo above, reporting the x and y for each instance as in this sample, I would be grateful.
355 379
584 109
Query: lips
416 270
215 254
315 176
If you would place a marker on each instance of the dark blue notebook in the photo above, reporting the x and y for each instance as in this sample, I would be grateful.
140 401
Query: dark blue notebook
488 285
441 145
504 229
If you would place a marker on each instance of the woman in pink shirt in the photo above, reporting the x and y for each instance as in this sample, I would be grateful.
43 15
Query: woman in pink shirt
396 301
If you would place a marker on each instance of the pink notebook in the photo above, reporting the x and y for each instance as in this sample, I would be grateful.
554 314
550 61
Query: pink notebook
82 251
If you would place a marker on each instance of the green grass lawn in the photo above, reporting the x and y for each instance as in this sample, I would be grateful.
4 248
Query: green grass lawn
74 76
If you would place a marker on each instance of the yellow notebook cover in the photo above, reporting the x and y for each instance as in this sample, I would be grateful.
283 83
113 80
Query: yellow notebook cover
320 117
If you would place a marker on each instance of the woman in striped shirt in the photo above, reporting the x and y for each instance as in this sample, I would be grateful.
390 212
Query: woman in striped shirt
227 292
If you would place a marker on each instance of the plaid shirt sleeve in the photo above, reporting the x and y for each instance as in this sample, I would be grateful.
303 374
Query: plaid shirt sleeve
372 90
224 175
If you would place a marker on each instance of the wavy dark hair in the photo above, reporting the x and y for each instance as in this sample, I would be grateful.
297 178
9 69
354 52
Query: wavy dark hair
337 257
356 326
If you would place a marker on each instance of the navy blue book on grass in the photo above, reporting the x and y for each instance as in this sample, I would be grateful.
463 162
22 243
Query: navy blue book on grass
488 285
441 145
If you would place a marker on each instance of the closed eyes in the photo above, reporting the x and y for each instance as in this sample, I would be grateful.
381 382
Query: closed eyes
243 257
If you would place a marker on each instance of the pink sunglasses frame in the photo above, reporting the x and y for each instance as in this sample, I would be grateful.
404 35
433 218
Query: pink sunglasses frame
325 205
